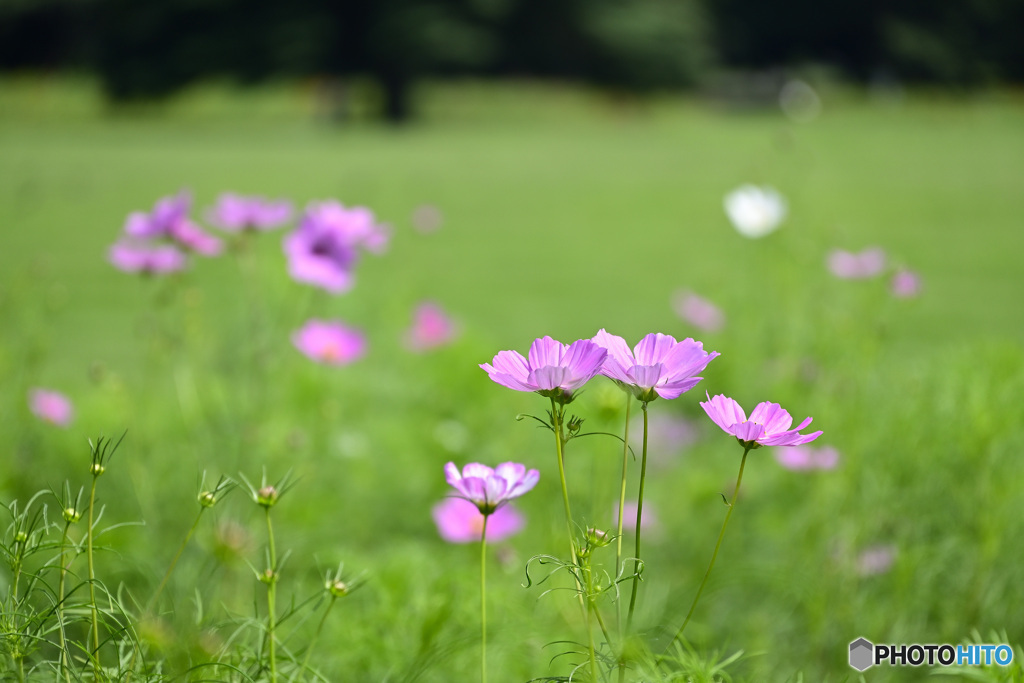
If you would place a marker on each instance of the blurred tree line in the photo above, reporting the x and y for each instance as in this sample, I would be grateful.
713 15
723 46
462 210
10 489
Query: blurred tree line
148 48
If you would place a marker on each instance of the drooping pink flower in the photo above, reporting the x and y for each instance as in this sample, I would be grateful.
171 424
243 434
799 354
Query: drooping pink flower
169 219
488 488
552 369
769 423
648 522
802 458
905 284
51 406
324 248
460 521
235 212
856 265
143 257
698 311
426 218
330 342
876 559
657 366
431 328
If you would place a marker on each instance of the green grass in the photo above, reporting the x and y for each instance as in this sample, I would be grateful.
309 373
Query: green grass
563 212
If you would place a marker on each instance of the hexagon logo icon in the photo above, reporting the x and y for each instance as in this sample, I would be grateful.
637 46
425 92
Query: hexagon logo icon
861 654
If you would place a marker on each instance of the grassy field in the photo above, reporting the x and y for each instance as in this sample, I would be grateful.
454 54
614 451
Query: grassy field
563 212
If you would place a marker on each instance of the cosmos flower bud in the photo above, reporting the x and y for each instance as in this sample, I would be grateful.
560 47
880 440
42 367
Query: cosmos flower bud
267 496
71 515
337 588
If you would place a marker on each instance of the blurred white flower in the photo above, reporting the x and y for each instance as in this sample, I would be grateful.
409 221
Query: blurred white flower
799 101
755 211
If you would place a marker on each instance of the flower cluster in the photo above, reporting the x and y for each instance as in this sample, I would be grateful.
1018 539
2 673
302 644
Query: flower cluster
157 242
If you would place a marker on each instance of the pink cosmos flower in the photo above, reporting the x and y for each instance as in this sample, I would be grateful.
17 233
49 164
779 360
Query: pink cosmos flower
552 369
769 424
330 342
51 406
698 311
426 218
488 488
431 328
192 237
235 212
323 249
905 284
657 366
856 266
460 521
801 458
143 257
169 219
649 520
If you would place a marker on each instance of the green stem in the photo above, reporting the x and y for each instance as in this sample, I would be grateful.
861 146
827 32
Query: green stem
556 418
177 556
714 556
60 605
618 540
483 602
92 584
271 595
639 518
316 636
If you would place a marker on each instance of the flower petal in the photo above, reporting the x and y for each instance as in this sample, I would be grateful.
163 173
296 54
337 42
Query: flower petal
653 348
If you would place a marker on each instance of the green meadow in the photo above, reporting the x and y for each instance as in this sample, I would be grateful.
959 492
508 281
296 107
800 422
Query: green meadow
564 211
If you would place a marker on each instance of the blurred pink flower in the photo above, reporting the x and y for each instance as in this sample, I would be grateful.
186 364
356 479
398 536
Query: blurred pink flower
667 435
426 218
235 212
169 219
51 406
769 423
807 457
142 257
488 488
330 342
431 328
905 284
657 366
698 311
459 521
552 369
876 559
324 248
856 266
648 522
192 237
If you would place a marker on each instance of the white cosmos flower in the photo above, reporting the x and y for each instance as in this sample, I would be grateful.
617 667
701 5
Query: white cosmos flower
755 211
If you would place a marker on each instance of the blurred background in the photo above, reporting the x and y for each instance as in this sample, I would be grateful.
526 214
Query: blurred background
561 166
148 50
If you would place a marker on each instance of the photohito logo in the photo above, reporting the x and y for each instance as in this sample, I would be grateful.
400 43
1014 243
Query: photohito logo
865 654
